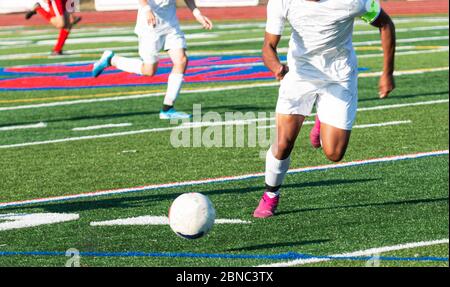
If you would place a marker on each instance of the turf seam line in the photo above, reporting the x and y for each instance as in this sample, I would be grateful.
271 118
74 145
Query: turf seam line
113 192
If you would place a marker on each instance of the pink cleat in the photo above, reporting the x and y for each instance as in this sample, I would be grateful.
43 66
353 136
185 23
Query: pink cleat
314 136
266 207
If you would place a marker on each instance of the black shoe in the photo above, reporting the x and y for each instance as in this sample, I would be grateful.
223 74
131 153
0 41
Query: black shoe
32 12
76 20
57 53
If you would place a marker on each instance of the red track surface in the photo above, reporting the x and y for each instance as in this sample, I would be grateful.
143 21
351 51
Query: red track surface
396 8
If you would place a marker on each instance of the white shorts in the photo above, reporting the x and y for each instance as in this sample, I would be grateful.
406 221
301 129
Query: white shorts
151 43
336 102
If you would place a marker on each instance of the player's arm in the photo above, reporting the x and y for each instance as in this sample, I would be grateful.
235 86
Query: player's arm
206 23
388 43
270 56
143 4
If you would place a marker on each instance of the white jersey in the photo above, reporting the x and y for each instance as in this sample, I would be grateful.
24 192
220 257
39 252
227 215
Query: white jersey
166 17
321 46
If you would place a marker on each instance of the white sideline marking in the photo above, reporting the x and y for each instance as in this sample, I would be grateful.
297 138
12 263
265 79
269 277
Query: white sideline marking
382 124
18 221
23 127
204 90
220 179
127 33
385 124
367 252
210 43
118 39
405 40
98 127
193 125
155 220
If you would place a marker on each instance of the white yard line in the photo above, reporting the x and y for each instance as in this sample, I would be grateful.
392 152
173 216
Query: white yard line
406 40
366 126
385 124
123 35
153 130
208 43
99 127
24 127
155 220
360 253
221 179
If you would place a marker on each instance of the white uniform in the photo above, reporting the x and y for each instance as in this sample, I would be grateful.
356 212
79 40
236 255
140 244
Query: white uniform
166 35
321 58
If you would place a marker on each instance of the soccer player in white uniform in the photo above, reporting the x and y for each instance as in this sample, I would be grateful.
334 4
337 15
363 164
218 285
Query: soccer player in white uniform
158 29
322 71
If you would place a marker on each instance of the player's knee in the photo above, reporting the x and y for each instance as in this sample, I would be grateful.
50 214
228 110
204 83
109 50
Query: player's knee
148 70
284 149
59 22
181 62
334 155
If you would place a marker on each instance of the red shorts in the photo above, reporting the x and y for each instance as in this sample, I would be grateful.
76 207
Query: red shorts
57 7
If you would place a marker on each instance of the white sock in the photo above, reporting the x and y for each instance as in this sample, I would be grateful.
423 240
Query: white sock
127 65
273 194
275 169
173 88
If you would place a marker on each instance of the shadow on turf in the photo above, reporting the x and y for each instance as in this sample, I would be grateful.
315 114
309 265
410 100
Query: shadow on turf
396 97
276 245
134 201
387 203
87 117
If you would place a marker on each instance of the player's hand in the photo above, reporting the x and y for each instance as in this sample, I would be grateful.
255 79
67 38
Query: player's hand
151 18
203 20
282 71
386 85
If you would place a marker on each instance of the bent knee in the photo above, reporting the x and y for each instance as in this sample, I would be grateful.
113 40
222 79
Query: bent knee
58 22
284 149
181 62
149 71
335 156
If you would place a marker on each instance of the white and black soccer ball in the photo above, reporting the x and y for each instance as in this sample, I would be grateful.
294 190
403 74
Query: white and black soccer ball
192 215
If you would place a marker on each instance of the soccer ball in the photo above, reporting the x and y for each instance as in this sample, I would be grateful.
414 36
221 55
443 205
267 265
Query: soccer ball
192 215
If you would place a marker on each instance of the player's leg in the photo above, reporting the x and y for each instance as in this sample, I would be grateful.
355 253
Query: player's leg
38 9
149 46
336 113
277 162
175 44
295 101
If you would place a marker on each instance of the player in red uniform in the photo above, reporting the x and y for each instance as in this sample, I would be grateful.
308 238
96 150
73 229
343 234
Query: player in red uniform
60 16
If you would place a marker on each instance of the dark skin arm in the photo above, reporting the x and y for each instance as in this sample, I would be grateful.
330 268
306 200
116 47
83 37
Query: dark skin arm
388 39
270 56
206 23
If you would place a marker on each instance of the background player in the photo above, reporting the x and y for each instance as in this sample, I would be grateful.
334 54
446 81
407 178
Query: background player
59 15
158 29
321 70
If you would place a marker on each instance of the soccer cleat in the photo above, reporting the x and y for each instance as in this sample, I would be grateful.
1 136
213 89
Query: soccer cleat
314 136
57 53
173 114
102 64
32 12
266 207
76 20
